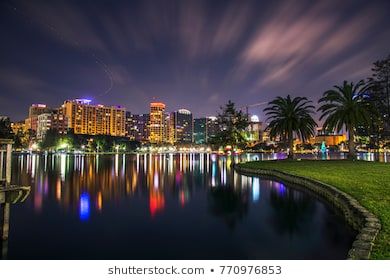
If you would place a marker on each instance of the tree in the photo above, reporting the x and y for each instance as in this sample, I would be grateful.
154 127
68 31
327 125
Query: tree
380 90
51 139
288 116
346 106
5 127
232 124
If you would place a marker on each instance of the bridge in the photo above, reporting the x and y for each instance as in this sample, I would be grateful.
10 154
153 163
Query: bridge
9 194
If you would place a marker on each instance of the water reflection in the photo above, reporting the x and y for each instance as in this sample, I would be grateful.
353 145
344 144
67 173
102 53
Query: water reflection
69 179
182 199
228 204
84 206
290 217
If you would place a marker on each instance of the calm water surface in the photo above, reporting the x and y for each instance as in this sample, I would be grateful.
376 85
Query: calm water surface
183 206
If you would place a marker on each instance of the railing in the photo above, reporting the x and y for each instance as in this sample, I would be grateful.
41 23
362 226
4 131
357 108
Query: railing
5 161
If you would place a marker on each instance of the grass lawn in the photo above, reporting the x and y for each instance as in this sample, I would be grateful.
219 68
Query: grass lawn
368 182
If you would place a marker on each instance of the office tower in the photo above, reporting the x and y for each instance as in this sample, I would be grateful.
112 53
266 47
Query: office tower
212 128
139 127
168 135
181 126
129 125
200 130
156 122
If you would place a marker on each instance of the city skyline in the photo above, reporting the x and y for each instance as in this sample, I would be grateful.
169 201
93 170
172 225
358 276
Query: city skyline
188 54
169 109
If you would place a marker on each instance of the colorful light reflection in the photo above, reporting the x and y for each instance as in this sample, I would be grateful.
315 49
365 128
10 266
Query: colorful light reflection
256 189
281 188
156 203
84 206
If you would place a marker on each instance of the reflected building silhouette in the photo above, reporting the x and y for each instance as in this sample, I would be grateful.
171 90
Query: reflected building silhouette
292 209
229 204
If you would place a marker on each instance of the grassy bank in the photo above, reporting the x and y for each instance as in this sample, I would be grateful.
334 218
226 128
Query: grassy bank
368 182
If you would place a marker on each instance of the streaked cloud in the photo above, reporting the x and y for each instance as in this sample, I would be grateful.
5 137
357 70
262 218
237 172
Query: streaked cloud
297 39
193 52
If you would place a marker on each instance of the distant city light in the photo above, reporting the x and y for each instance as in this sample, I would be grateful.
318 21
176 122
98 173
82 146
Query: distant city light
83 100
184 111
255 118
34 146
39 105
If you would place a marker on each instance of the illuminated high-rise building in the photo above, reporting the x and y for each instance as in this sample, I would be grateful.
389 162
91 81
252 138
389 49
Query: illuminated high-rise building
139 127
156 123
181 126
168 135
34 111
55 120
85 118
200 131
212 128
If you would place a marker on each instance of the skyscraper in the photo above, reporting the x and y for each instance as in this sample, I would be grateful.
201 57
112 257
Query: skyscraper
181 126
139 127
212 128
156 122
85 118
129 125
168 135
200 131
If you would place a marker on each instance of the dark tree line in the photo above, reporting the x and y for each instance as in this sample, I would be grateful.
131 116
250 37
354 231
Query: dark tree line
90 143
379 97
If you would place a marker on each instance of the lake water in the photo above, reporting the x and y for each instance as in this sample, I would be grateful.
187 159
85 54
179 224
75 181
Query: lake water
182 206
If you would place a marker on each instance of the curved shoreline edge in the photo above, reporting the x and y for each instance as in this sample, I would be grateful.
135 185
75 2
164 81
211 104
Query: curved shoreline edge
367 224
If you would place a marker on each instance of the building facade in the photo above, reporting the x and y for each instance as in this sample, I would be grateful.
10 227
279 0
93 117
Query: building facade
85 118
168 133
200 131
33 112
254 130
156 123
55 120
212 128
139 127
181 125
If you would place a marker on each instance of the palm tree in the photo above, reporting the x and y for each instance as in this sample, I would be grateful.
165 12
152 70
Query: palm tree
289 116
346 106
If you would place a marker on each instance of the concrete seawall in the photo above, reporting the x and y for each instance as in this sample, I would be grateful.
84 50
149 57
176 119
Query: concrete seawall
366 223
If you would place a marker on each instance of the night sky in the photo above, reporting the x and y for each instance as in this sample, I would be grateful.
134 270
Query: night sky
188 54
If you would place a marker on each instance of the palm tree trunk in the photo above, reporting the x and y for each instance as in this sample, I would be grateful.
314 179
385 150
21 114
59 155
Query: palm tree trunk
351 144
291 145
